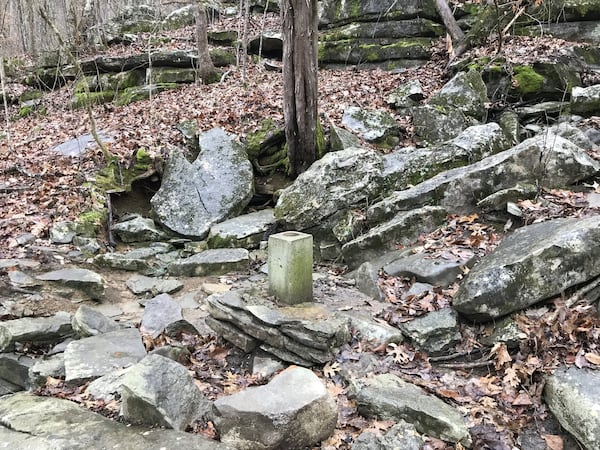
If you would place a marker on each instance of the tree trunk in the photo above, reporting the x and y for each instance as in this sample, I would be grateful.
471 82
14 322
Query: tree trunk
206 69
460 44
300 82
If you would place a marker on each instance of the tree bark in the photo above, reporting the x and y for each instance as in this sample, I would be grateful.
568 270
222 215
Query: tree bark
300 82
460 44
206 68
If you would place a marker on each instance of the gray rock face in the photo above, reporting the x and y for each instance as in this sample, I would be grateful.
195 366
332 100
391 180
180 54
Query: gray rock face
434 332
303 334
436 271
550 160
402 436
573 396
402 229
585 100
95 356
81 279
534 263
138 229
32 422
407 95
15 369
140 284
162 313
336 181
137 260
244 231
52 366
216 186
293 411
375 126
39 330
90 322
335 11
342 139
160 391
62 232
211 262
388 397
435 125
466 92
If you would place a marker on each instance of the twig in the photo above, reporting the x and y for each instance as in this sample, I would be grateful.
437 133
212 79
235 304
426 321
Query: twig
467 365
109 221
579 295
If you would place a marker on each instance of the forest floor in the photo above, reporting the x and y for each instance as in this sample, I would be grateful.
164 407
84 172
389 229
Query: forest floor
499 391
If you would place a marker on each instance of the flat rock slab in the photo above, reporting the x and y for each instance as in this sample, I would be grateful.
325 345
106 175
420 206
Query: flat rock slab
138 229
244 231
15 369
88 321
211 262
160 313
95 356
84 280
434 332
140 260
389 397
30 422
141 284
293 411
536 262
39 330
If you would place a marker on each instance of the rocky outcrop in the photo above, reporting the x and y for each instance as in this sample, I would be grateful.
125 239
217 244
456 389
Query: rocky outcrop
293 411
216 186
40 330
84 280
534 263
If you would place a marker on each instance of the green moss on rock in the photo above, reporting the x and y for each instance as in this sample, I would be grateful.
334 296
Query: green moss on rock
527 80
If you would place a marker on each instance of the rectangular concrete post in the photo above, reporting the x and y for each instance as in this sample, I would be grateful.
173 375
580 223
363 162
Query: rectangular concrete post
290 267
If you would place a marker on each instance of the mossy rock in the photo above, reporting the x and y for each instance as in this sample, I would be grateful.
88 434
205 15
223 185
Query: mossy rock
116 82
33 94
223 37
81 100
137 93
162 75
268 139
222 57
526 80
357 51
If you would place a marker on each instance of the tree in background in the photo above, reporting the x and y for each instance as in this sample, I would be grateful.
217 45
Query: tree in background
205 67
300 20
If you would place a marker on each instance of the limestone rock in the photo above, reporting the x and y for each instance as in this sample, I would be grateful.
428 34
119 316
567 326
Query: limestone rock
211 262
63 232
342 139
436 125
138 260
95 356
335 182
160 391
33 422
534 263
435 332
245 231
39 330
293 411
216 186
162 313
375 126
138 229
90 322
466 92
389 397
140 284
15 369
81 279
400 436
406 95
585 100
573 396
51 366
335 11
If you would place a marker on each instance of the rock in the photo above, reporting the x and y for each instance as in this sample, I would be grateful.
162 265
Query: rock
221 179
15 369
499 200
137 260
375 126
167 75
90 322
140 284
51 366
402 229
159 391
162 313
400 436
39 330
293 411
465 92
427 268
551 160
536 262
367 277
390 398
21 279
505 331
269 42
573 396
37 422
435 332
374 331
63 232
6 388
75 147
303 334
245 231
406 95
180 18
107 386
138 229
176 353
211 262
341 139
94 356
83 280
585 100
335 182
265 365
436 125
340 11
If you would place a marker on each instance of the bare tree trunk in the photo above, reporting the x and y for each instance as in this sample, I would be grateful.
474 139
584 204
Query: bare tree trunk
206 69
458 37
300 82
5 102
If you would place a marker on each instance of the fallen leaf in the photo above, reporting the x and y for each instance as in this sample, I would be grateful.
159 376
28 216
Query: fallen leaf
593 358
553 441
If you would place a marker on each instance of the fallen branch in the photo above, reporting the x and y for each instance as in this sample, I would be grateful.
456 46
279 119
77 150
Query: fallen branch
581 293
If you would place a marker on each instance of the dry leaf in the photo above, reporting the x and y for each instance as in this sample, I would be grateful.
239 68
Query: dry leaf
593 358
553 441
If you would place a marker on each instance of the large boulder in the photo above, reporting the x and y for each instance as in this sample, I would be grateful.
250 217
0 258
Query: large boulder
294 411
375 126
160 391
38 330
216 186
573 396
335 182
341 11
466 92
534 263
